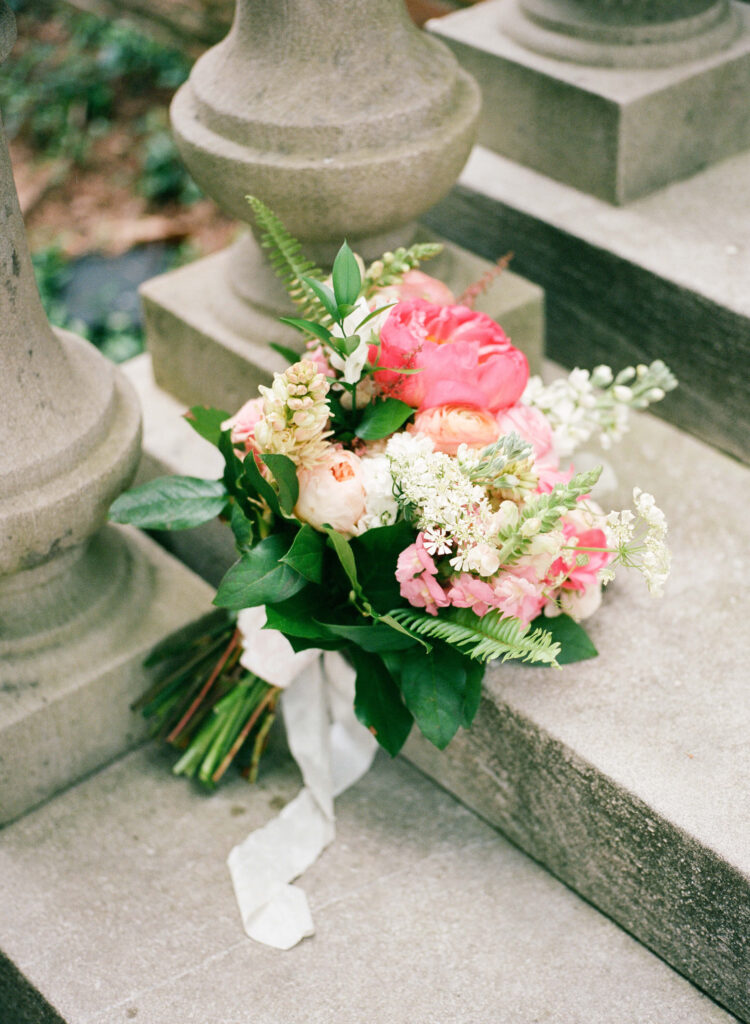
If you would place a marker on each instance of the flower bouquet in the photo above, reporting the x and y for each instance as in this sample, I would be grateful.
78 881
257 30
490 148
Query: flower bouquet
400 494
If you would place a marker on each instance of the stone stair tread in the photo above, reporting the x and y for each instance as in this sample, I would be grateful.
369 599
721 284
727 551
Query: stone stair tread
645 746
706 216
121 909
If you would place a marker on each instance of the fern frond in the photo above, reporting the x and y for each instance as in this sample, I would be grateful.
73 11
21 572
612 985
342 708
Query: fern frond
484 639
289 265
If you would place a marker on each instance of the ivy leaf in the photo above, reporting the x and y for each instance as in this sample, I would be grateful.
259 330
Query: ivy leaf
170 503
324 294
307 327
285 475
575 644
207 422
378 704
383 418
260 577
306 554
434 689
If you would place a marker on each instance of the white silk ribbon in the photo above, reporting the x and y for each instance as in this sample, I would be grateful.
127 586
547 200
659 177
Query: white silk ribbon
332 749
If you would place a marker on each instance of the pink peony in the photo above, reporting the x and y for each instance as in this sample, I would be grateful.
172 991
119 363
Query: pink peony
332 491
464 358
416 285
243 425
416 572
449 426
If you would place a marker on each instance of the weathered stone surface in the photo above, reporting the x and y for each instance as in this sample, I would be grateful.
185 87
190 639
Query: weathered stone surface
120 908
210 346
67 679
626 775
612 132
665 277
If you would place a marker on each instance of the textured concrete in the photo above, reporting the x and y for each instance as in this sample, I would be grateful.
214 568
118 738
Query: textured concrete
665 277
625 775
119 908
66 684
210 346
615 133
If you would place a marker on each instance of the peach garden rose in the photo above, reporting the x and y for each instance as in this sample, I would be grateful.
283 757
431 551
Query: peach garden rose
450 426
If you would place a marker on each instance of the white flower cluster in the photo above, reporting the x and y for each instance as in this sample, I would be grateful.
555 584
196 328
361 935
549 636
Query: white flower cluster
586 403
295 414
453 513
381 508
647 553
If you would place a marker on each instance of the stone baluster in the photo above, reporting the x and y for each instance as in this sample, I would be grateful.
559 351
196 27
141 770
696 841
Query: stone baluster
75 600
343 118
625 33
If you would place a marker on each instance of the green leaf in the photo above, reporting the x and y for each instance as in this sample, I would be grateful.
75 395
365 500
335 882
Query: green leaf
372 638
375 312
296 617
207 421
255 484
383 418
575 644
286 353
345 555
285 475
242 529
473 694
378 704
307 327
260 577
347 280
170 503
434 688
232 464
376 553
306 554
324 295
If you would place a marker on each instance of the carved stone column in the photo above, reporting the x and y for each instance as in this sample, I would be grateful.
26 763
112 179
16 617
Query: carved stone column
343 118
614 97
77 604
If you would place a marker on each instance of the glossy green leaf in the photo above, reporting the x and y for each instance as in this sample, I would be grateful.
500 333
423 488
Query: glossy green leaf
374 637
473 693
242 528
324 294
286 353
170 503
434 689
376 554
296 616
378 704
306 554
207 421
575 644
345 556
285 474
255 484
260 577
382 419
307 327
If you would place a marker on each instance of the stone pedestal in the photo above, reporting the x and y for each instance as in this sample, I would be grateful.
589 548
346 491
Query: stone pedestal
79 609
342 137
210 347
617 99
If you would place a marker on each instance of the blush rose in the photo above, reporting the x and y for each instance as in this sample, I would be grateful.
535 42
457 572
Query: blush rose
332 491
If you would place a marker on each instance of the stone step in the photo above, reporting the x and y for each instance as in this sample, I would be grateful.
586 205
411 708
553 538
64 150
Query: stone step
625 775
118 907
666 276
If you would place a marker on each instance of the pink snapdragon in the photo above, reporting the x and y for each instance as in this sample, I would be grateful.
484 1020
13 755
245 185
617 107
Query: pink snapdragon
416 572
467 591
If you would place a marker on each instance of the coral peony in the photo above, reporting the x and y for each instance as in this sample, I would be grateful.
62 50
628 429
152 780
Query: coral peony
449 426
463 358
332 492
